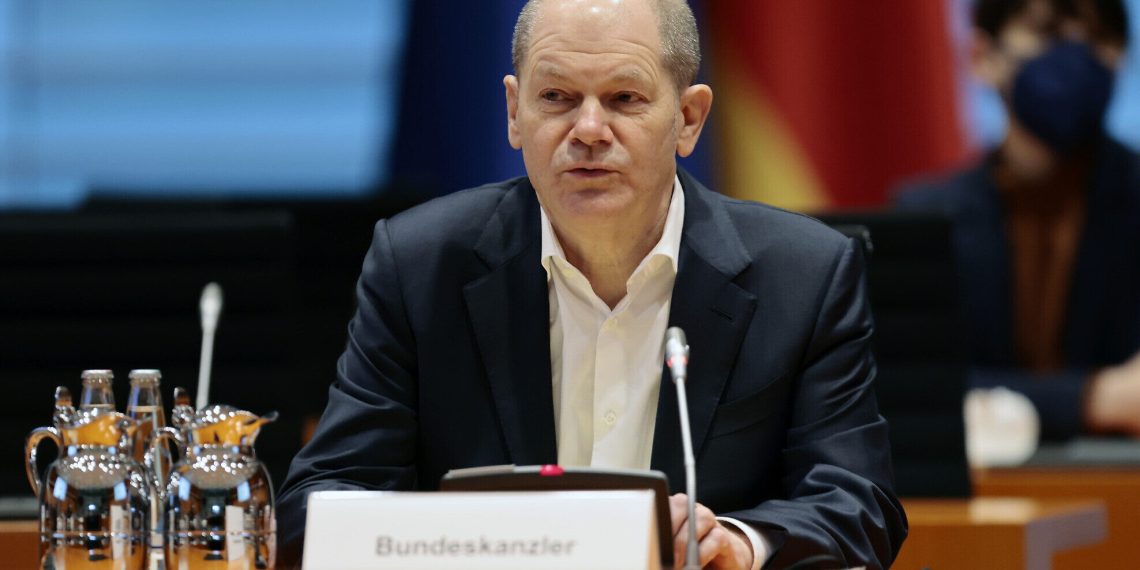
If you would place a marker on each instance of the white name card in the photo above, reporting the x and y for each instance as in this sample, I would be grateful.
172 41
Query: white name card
365 530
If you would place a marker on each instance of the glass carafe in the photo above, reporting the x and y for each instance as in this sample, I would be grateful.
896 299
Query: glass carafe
94 499
218 505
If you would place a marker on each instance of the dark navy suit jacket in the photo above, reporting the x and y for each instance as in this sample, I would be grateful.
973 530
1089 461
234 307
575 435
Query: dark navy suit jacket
1102 319
448 366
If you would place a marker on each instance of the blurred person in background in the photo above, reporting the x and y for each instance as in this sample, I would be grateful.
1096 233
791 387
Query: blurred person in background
1047 227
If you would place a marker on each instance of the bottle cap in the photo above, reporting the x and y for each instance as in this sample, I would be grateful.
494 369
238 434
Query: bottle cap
97 375
145 375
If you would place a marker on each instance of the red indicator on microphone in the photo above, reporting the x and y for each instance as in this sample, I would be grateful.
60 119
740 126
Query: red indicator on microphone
550 471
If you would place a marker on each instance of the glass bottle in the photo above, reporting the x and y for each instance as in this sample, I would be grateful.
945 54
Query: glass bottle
97 392
144 405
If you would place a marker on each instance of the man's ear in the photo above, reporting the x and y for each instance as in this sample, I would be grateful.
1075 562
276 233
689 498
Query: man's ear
511 85
696 102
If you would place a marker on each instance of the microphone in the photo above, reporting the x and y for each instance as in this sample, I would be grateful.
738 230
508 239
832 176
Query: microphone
677 358
677 352
210 308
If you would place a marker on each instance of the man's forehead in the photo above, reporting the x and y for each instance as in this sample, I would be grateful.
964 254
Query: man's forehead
561 69
599 9
597 22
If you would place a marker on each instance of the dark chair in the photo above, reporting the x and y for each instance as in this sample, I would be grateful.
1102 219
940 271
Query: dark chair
121 291
921 363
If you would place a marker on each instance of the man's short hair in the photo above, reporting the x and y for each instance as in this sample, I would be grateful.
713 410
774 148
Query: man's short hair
991 16
680 42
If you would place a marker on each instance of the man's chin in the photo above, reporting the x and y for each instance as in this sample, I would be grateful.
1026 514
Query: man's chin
595 204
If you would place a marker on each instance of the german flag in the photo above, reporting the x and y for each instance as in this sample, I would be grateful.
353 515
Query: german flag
826 104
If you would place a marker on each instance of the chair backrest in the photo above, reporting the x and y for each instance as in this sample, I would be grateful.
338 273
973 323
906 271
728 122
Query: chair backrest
121 291
921 362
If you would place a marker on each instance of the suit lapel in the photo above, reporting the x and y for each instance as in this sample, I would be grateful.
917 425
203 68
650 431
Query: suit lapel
509 314
714 313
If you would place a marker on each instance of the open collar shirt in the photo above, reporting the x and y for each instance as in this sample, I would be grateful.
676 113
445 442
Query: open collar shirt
606 364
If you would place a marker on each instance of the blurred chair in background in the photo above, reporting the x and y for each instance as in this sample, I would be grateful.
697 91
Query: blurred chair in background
116 285
121 291
921 365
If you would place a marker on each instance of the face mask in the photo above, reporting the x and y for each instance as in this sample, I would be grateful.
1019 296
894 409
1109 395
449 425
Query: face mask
1061 95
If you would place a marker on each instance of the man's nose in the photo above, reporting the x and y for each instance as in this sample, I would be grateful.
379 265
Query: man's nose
592 126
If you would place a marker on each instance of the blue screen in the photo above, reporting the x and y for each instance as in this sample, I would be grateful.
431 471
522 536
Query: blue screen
196 98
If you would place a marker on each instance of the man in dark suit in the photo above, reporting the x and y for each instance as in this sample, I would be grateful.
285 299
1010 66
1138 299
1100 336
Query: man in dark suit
522 322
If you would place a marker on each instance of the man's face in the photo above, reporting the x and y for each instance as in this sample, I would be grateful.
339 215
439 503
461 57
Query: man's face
597 116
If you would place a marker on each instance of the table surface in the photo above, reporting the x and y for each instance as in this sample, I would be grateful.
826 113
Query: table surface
984 532
19 541
999 533
1118 487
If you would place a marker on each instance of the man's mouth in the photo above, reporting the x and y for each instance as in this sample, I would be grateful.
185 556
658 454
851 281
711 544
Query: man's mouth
589 172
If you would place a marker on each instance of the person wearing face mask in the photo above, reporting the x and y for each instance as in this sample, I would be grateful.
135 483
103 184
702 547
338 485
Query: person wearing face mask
1047 228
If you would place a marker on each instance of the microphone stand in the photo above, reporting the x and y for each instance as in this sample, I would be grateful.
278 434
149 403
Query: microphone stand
692 553
677 357
210 307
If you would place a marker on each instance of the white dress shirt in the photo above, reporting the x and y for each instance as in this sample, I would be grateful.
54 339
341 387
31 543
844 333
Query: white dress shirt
606 364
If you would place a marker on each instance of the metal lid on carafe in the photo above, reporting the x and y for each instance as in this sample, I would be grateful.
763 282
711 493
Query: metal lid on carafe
227 425
98 426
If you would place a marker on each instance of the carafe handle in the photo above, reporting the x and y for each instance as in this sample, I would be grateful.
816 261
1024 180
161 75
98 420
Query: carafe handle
33 442
152 458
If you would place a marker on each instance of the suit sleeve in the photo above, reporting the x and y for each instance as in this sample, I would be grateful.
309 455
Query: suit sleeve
839 506
366 438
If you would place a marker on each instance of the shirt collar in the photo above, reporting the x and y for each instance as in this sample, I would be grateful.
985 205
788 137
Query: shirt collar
668 246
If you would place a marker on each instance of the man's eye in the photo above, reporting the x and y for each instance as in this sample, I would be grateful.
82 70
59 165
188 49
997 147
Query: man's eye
627 98
552 96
